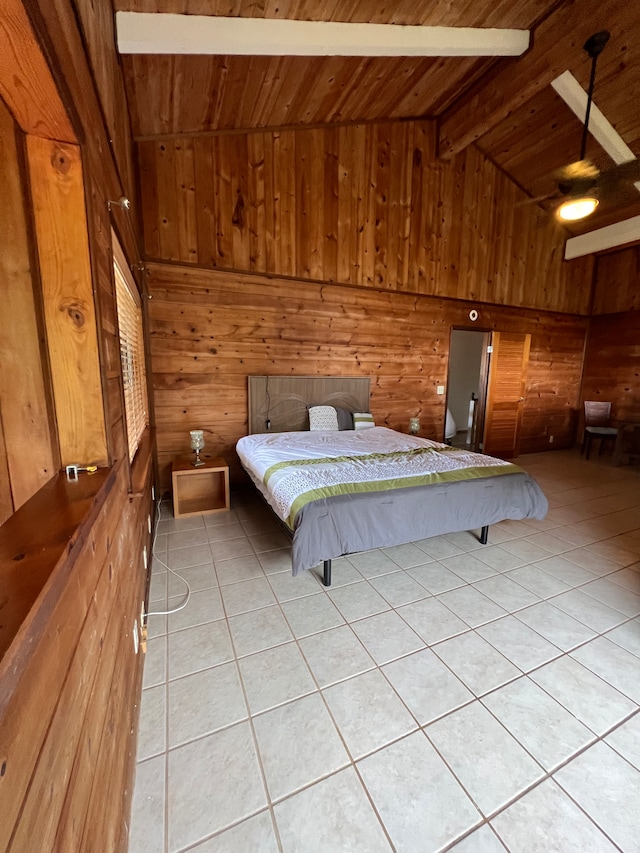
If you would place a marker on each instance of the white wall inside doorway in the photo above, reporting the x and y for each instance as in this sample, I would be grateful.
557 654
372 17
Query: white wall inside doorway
465 364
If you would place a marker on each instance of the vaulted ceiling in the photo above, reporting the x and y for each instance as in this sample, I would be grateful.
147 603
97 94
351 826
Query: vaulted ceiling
504 105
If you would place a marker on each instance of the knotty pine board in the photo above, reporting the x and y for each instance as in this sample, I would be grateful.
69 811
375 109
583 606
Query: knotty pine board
30 459
56 176
612 363
367 205
617 287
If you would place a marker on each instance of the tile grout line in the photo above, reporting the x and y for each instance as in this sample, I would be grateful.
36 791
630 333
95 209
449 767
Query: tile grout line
478 698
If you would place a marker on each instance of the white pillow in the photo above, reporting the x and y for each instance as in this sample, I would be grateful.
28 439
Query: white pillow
363 420
323 417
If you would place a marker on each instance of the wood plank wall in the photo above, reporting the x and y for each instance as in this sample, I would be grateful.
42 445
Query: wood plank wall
97 24
26 434
70 683
612 363
65 708
612 360
210 330
617 285
367 205
58 196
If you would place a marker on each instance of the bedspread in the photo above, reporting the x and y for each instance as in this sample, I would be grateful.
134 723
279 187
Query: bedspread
348 491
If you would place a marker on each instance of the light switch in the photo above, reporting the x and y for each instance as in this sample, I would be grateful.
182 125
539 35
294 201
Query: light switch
440 389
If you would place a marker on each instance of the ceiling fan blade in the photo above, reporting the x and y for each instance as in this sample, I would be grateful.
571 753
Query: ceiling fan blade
579 170
628 172
552 196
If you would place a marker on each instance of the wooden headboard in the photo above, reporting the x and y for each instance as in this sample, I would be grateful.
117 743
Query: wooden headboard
284 400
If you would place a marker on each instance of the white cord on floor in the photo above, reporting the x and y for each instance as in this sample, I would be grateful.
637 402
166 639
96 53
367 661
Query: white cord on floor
162 563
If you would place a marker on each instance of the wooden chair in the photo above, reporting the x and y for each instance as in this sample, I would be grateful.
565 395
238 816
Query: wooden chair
596 425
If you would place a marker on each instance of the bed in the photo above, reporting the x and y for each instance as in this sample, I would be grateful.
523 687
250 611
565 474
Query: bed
345 491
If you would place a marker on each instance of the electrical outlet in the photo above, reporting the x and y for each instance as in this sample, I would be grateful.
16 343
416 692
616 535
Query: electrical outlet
440 389
550 439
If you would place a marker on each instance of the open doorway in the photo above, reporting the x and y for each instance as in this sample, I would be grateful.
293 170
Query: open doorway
466 387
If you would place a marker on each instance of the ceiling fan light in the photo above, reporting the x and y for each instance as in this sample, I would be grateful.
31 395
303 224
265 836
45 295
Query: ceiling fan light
577 208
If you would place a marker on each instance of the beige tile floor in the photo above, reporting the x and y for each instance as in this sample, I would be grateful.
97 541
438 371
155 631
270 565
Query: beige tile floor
442 695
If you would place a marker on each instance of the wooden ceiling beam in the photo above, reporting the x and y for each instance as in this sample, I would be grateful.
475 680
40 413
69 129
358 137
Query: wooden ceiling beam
557 41
610 237
162 33
26 84
600 127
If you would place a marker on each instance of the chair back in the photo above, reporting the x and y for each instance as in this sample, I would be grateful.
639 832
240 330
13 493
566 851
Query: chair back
596 413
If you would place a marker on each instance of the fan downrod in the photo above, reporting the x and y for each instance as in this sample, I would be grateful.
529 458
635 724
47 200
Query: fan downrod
594 46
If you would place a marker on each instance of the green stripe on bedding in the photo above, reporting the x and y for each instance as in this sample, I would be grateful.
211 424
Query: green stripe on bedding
458 475
396 454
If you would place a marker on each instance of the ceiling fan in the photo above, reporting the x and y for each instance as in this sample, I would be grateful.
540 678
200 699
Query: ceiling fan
581 185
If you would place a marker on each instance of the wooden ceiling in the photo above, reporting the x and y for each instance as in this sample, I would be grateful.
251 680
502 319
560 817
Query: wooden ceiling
464 13
506 106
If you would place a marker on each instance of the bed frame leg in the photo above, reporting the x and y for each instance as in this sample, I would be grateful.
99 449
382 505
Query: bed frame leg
327 573
484 535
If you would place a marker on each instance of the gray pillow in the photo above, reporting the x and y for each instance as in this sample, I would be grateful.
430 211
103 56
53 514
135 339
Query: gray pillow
345 418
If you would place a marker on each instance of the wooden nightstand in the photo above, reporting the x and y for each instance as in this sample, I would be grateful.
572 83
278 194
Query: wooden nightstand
200 491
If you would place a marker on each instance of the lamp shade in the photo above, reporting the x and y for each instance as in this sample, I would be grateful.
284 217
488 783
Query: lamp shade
577 208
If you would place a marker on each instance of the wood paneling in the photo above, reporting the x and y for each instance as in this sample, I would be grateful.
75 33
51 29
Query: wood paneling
112 710
29 698
470 13
25 82
30 457
210 330
557 46
617 282
174 94
54 710
76 59
41 546
612 363
97 22
192 94
364 205
60 219
70 680
506 104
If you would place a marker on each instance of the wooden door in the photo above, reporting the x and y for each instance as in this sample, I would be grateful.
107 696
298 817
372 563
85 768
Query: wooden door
505 393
